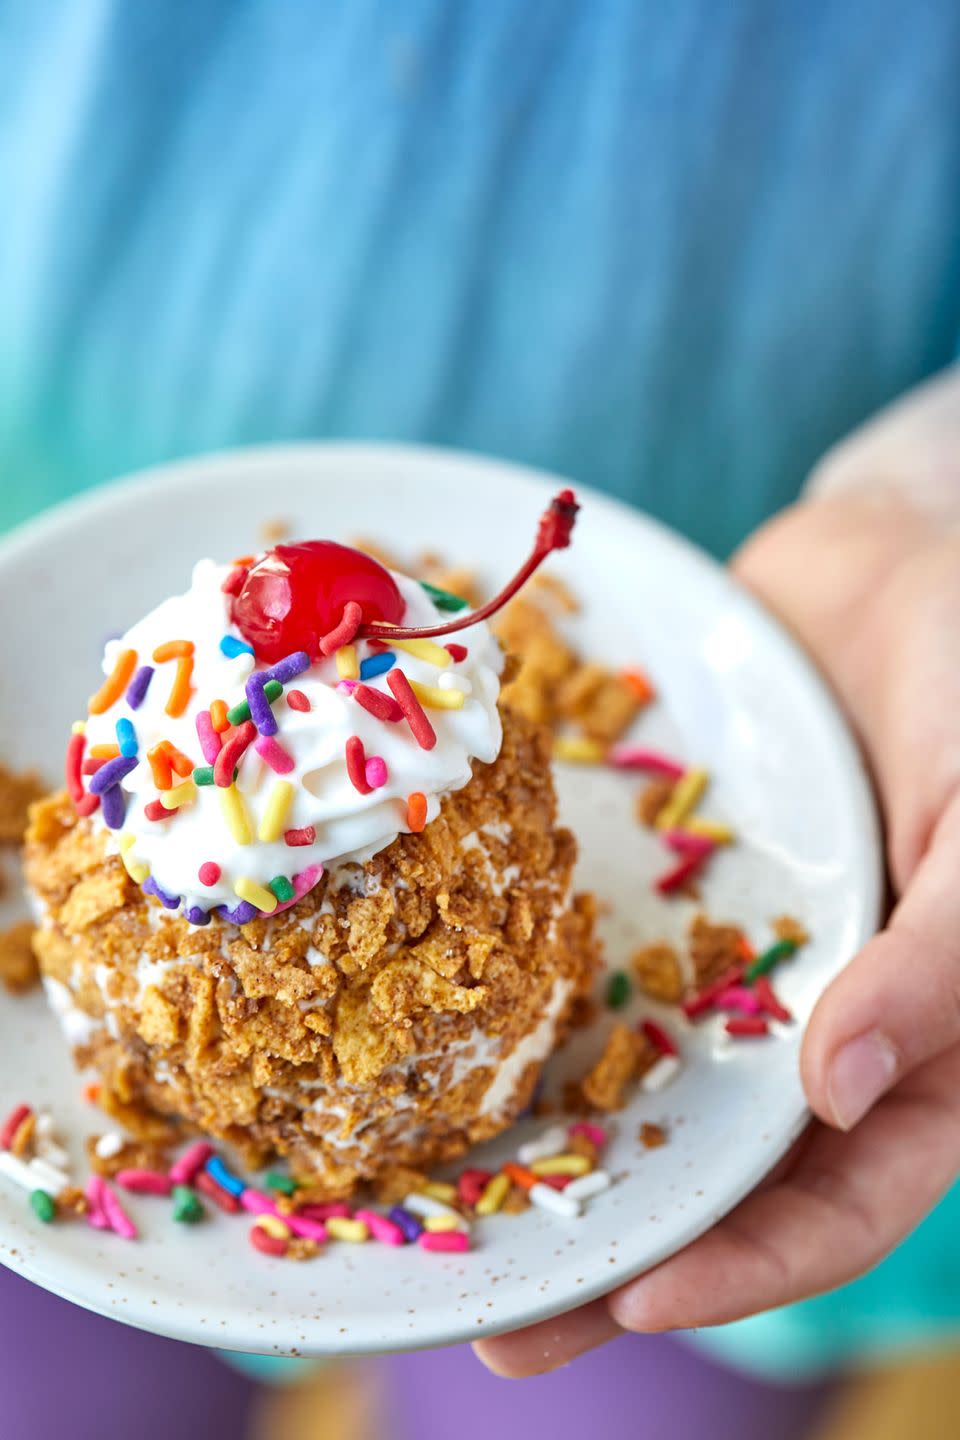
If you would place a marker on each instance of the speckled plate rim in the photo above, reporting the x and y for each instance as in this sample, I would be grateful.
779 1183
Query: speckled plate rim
434 1327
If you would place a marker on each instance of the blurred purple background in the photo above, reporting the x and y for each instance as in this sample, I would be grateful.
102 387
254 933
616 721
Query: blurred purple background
75 1376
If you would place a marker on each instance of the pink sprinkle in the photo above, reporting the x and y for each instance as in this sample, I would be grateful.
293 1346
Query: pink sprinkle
443 1240
210 741
347 687
738 997
257 1203
594 1133
144 1182
381 1228
331 1210
633 757
556 1182
95 1213
117 1218
183 1171
687 844
305 1228
376 772
305 836
209 872
268 747
301 884
658 1037
297 700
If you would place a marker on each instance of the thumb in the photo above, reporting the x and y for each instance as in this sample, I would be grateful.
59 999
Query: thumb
897 1004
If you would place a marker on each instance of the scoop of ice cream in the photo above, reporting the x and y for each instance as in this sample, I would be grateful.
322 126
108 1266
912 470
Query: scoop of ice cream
325 765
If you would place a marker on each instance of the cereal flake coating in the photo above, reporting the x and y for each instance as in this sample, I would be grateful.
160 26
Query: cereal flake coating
397 1014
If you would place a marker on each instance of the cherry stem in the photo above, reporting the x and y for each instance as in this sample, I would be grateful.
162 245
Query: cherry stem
553 533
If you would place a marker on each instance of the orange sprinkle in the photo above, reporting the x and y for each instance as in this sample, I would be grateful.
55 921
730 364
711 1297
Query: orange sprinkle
639 685
182 688
115 683
173 650
520 1175
104 752
218 716
160 766
91 1092
243 560
178 761
745 950
416 812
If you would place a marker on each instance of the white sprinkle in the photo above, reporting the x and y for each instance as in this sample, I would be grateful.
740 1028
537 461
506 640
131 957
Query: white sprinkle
426 1205
44 1126
660 1074
552 1141
48 1177
16 1170
586 1186
556 1201
109 1145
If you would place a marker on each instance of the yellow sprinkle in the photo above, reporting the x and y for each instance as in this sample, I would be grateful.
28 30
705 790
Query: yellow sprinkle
107 751
258 895
562 1165
340 1228
578 750
137 871
686 793
184 794
494 1194
424 650
436 699
274 819
710 830
439 1190
439 1224
235 814
79 727
273 1225
348 667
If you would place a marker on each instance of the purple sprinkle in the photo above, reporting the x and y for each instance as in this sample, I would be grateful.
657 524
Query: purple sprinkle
196 915
289 667
261 711
112 773
242 913
150 887
139 686
347 687
113 807
408 1223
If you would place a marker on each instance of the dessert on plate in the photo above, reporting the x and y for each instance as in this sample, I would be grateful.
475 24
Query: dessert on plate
305 888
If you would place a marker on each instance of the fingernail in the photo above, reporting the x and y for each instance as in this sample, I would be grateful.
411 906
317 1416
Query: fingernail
860 1073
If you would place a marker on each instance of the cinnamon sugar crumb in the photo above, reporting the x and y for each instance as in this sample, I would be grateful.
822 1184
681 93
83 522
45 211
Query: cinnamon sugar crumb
17 793
603 1086
785 927
651 1137
18 964
658 971
651 800
714 948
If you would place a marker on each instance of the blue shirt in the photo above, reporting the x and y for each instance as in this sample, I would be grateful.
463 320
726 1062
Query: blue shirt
672 250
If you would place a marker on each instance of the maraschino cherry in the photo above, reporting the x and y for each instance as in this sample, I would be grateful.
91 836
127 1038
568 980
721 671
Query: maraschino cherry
295 594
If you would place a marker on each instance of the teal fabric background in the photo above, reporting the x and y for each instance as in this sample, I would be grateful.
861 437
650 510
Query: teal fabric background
674 251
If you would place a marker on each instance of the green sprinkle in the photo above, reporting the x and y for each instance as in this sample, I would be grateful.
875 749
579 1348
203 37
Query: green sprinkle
281 887
186 1205
43 1206
618 989
273 689
764 963
284 1183
203 775
443 599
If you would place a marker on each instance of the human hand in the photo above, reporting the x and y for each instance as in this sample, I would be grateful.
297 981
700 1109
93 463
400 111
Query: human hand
872 588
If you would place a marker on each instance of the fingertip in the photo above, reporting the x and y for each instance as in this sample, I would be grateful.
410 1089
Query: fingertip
548 1345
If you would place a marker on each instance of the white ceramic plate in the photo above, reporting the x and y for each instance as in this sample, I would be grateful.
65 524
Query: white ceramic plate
736 696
